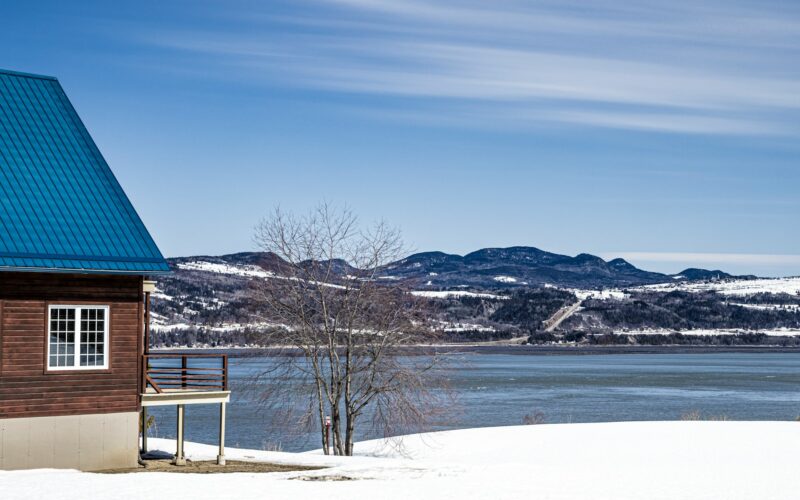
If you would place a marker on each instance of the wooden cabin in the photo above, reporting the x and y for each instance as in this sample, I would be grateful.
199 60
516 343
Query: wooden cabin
76 264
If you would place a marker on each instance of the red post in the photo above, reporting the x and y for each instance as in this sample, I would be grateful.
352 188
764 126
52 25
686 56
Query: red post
328 433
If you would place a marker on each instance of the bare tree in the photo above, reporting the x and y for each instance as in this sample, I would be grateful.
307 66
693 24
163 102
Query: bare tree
351 325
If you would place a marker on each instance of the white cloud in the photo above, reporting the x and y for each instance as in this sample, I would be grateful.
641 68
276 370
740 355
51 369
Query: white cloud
710 68
685 20
709 258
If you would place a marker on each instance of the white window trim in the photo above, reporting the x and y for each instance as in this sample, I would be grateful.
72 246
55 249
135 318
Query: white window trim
77 359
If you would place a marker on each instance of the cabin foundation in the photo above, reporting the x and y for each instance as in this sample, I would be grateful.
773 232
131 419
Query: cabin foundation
85 442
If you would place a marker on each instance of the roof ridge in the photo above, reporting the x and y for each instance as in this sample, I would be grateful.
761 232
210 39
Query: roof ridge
27 75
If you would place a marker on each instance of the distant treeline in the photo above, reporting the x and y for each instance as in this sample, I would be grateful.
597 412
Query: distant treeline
676 338
202 336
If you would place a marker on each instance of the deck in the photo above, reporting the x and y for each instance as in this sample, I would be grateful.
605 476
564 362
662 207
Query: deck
185 378
179 379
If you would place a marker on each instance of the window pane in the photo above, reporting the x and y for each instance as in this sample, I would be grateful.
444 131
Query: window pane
62 332
92 336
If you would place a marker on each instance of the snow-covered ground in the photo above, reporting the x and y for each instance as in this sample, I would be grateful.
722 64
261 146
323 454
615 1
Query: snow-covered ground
774 332
507 279
733 286
220 268
248 271
615 461
449 294
225 327
455 327
605 294
770 307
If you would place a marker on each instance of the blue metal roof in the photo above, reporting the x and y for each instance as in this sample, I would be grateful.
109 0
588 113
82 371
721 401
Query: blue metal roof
61 208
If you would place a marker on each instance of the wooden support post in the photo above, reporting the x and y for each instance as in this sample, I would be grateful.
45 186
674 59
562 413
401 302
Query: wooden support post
144 430
147 323
224 372
221 455
184 371
180 457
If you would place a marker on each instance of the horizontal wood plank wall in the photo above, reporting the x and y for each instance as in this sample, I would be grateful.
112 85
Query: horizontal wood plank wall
25 389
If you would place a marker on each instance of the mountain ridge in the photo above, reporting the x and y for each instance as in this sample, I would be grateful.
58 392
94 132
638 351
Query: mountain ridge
491 268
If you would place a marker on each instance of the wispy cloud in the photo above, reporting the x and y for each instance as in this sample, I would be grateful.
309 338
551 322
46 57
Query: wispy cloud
723 22
718 68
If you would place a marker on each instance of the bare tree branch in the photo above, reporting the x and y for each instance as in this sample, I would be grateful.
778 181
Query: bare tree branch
350 326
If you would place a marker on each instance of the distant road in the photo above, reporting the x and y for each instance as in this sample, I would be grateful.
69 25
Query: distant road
560 315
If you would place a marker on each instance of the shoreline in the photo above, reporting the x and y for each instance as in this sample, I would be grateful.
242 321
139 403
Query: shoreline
521 350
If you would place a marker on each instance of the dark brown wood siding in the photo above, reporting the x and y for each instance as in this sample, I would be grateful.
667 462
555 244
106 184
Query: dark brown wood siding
26 388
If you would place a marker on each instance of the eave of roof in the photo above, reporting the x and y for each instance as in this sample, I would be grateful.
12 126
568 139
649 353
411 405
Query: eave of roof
27 75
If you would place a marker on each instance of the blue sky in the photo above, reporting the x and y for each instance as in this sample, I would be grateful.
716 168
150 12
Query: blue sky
663 132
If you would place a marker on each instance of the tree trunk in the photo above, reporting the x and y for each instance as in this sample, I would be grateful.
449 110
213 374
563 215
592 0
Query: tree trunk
351 425
336 421
322 426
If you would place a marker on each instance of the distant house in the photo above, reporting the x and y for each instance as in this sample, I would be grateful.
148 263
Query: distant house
75 262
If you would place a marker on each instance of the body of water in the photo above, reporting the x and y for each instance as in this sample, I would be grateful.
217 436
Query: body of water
500 389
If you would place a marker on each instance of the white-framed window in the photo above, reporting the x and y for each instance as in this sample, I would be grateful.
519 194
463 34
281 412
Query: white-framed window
77 337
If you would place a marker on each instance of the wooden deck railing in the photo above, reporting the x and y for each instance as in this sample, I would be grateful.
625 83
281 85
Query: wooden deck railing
188 372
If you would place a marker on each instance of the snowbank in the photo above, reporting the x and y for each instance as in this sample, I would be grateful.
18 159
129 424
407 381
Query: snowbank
619 461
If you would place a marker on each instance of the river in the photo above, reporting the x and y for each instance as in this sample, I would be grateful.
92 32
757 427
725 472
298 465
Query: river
493 389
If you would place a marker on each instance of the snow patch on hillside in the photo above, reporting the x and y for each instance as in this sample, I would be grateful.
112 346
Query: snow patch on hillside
732 287
700 332
219 268
449 294
456 327
221 328
770 307
159 294
505 279
247 271
608 294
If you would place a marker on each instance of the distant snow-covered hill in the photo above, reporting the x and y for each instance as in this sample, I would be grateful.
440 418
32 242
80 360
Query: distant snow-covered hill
488 294
485 269
512 267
